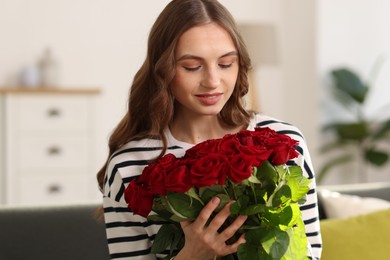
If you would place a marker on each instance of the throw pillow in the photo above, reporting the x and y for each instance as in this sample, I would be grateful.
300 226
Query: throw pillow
359 238
337 205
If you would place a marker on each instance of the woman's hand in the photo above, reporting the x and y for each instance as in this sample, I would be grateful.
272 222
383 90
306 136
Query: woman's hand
203 241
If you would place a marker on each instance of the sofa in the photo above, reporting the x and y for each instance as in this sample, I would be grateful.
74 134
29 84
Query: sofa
355 221
74 232
61 232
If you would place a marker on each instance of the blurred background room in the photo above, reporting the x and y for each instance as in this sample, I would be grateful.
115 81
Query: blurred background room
74 61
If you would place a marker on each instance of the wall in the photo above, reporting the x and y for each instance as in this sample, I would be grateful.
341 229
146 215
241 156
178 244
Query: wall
355 34
102 43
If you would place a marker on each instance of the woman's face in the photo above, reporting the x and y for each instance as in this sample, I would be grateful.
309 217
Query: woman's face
206 70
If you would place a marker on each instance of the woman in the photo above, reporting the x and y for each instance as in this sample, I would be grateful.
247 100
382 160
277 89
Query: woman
189 89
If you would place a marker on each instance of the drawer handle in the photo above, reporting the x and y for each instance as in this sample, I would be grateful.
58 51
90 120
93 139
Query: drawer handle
54 150
54 188
53 112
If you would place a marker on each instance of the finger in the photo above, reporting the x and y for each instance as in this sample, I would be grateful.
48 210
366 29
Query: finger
234 247
204 215
185 223
229 232
221 217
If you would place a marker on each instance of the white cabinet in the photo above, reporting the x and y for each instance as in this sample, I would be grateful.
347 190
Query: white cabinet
47 146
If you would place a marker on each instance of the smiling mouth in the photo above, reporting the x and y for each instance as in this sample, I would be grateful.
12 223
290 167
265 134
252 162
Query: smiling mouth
209 99
209 95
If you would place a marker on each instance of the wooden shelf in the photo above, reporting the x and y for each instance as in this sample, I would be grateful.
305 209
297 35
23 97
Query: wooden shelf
48 90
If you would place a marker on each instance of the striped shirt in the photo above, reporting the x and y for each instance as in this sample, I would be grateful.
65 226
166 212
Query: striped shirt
130 236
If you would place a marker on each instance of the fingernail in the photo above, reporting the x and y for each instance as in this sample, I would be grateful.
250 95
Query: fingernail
215 200
243 217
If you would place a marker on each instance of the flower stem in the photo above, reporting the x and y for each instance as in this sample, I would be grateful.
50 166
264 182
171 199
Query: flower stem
253 191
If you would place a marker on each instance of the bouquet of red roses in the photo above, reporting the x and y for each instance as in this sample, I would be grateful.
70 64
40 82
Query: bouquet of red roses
249 167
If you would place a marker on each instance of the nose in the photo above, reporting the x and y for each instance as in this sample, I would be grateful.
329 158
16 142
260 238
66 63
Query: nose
211 78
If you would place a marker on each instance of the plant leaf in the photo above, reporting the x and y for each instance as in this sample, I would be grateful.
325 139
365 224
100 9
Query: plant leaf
352 131
241 202
334 145
253 209
184 206
350 83
278 217
298 183
382 131
281 197
297 248
163 239
249 251
377 158
276 242
268 176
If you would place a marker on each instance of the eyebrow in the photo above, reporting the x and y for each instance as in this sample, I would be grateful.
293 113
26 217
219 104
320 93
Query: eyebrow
194 57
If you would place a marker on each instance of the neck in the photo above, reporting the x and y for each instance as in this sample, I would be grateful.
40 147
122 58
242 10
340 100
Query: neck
199 129
196 130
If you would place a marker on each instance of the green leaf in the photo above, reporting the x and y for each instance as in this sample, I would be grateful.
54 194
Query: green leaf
276 242
253 209
253 179
335 145
228 257
206 193
352 131
298 183
377 158
241 202
224 199
268 176
157 217
383 131
193 194
254 236
184 206
161 207
297 248
350 83
178 239
248 251
280 216
281 197
163 239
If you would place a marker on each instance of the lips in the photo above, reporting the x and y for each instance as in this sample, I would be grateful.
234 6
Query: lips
209 99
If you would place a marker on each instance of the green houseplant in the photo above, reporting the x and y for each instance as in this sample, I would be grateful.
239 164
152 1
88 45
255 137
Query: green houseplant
357 140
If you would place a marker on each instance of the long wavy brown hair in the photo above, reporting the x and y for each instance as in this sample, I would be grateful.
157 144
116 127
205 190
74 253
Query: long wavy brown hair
151 104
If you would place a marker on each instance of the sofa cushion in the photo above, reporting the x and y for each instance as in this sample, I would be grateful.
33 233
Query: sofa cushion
338 205
359 238
66 232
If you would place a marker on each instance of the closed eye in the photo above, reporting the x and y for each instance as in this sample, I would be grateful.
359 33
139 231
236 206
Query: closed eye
225 66
192 68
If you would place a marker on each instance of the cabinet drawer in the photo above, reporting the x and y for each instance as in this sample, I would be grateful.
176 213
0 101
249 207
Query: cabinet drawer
51 112
53 189
38 152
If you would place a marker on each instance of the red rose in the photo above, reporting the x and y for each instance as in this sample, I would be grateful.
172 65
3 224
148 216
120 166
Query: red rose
152 178
256 155
245 137
154 175
139 200
178 180
282 149
229 146
203 149
208 170
240 168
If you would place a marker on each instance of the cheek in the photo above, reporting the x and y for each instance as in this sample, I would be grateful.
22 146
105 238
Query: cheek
232 79
180 84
